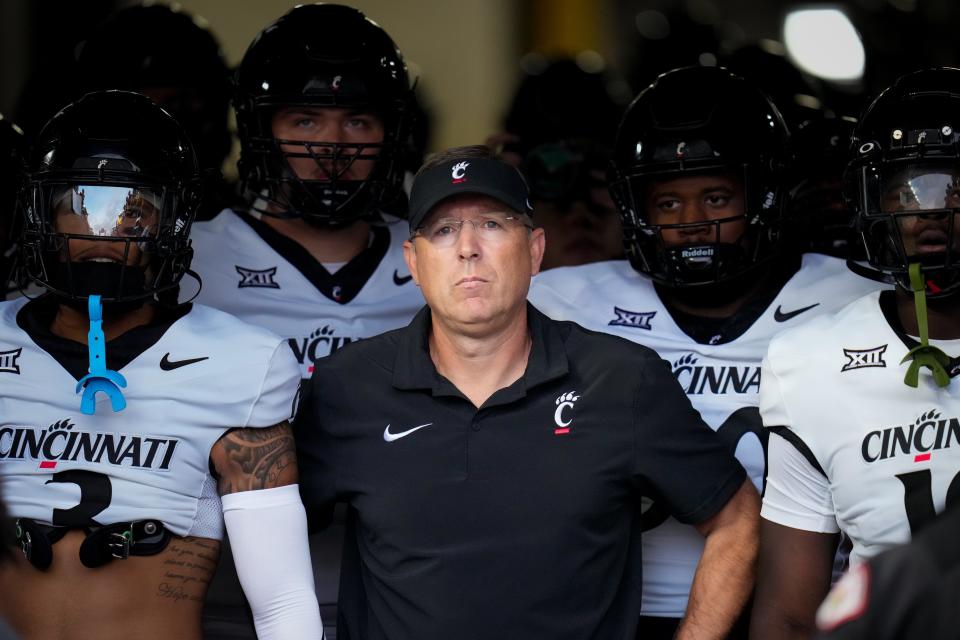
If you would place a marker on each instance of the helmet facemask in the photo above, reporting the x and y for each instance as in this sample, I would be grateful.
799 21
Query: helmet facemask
319 57
909 214
326 183
109 196
126 243
714 253
693 123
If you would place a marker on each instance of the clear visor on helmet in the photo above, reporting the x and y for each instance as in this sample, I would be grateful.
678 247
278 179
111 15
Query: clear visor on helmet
106 212
933 187
911 215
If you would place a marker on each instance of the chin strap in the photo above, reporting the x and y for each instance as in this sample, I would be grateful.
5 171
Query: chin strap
100 379
924 355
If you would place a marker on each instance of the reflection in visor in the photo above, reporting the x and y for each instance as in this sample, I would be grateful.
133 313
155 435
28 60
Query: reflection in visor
106 211
917 189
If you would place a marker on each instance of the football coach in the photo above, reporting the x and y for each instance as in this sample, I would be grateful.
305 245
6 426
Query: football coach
494 459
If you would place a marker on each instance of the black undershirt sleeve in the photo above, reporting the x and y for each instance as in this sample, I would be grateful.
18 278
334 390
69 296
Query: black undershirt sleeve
680 459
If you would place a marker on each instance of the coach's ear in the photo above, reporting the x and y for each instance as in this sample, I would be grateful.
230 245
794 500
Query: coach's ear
537 245
410 257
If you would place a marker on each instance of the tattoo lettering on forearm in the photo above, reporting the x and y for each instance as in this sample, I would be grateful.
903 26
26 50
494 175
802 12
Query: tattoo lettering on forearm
251 459
188 569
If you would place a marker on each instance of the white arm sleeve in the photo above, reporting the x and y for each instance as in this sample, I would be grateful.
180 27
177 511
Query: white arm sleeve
268 534
797 495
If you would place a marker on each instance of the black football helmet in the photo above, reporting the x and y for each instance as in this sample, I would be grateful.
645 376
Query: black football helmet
171 56
117 174
904 171
819 219
693 121
322 55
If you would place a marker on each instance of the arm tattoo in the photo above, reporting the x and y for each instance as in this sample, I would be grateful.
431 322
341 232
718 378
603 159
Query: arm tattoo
248 459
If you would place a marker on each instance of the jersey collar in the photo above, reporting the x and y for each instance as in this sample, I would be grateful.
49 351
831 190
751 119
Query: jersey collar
35 318
340 287
414 369
888 305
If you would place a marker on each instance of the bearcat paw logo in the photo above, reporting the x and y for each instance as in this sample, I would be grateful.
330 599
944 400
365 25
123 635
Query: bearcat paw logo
688 359
570 396
929 415
322 332
62 425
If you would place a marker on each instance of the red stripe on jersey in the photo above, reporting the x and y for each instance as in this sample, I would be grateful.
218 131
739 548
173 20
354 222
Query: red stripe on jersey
923 457
561 432
48 464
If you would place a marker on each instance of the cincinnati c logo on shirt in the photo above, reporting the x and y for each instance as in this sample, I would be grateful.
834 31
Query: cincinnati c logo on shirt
8 361
459 172
563 402
60 442
927 434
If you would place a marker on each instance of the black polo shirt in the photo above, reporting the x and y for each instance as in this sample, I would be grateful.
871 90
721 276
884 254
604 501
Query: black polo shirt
512 520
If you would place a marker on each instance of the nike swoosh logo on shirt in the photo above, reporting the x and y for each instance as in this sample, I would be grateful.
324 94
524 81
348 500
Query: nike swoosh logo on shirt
400 280
781 316
390 437
169 365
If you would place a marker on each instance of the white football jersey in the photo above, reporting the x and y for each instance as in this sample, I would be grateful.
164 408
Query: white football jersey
861 452
208 373
266 279
722 380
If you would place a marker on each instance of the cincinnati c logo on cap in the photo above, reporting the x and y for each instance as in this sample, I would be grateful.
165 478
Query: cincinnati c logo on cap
459 172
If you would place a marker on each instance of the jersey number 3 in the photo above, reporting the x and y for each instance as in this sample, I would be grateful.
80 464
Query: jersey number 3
95 495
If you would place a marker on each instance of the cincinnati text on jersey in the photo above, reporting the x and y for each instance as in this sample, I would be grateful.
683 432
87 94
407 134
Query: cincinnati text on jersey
928 433
697 379
319 344
61 443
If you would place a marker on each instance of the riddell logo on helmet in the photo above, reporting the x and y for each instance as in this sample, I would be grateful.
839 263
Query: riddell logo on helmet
697 252
459 173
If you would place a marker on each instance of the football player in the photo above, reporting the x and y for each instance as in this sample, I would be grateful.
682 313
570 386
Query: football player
700 160
818 218
568 190
323 104
559 131
323 112
863 406
134 430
